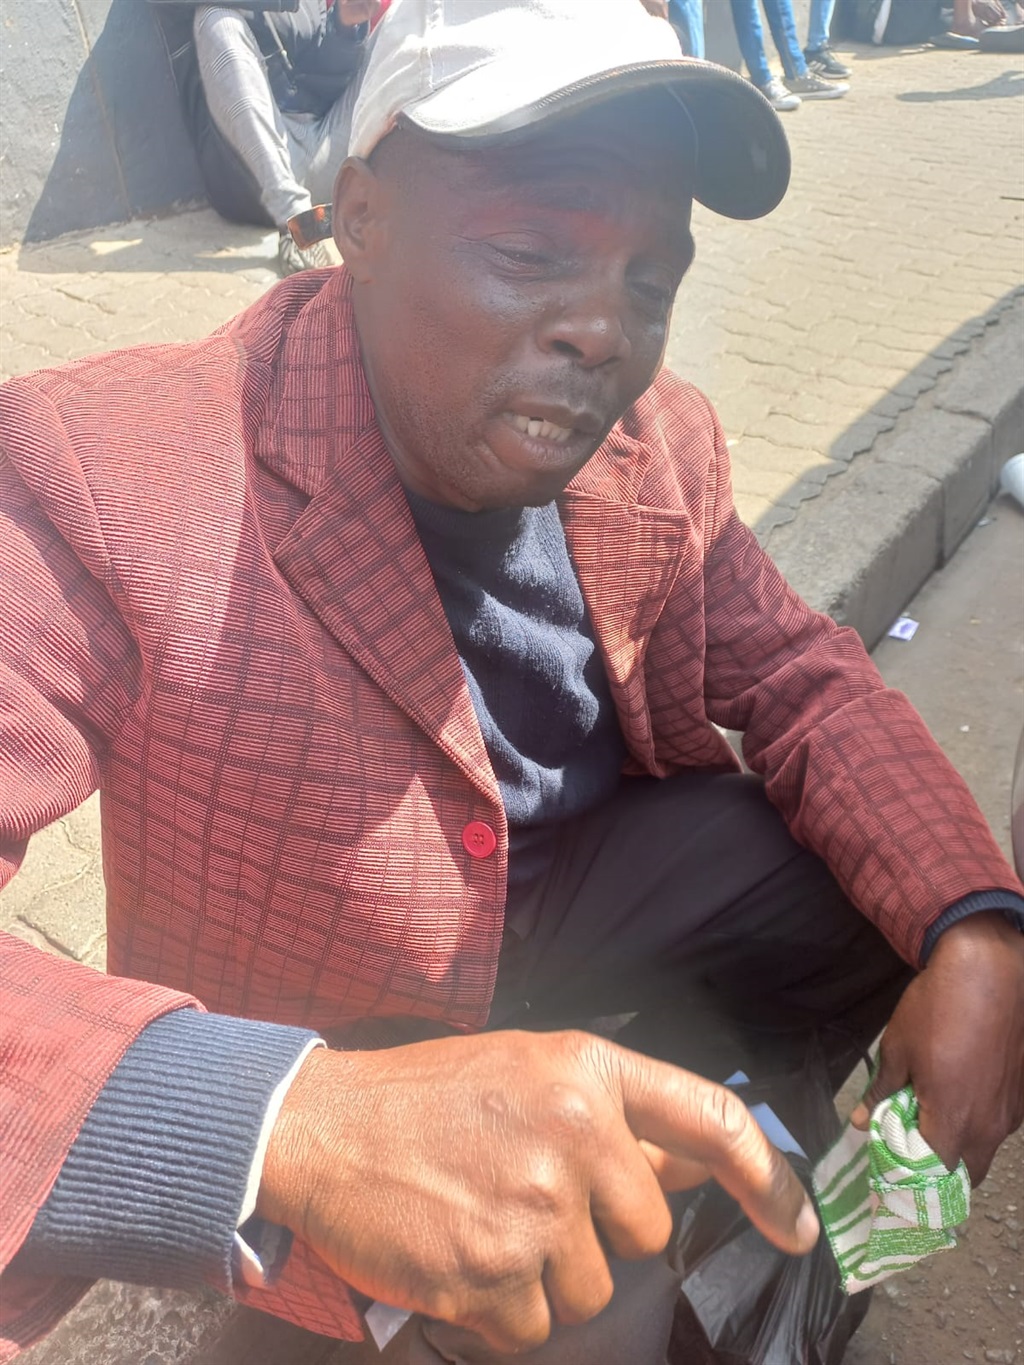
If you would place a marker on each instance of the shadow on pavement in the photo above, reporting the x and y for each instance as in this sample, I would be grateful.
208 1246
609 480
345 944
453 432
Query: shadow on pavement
867 52
1004 86
196 240
123 149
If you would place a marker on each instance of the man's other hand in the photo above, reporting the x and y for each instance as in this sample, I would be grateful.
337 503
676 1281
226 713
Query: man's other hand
353 12
481 1180
957 1036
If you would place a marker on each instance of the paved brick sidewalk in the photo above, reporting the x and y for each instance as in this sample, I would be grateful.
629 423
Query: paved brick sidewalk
902 233
901 241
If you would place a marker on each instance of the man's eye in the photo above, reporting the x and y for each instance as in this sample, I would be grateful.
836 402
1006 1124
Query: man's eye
523 257
658 297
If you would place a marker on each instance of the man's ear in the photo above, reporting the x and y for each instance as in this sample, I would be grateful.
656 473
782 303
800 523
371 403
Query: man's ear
357 217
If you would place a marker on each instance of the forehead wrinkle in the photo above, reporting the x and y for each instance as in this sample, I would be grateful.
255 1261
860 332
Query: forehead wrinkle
573 180
562 183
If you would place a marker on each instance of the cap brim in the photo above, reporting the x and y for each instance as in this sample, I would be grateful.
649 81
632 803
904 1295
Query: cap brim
742 156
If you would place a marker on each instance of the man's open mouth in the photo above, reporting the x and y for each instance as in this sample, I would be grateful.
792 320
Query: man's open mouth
540 427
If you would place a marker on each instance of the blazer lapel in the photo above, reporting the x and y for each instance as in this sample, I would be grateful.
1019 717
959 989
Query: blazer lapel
355 559
627 559
353 554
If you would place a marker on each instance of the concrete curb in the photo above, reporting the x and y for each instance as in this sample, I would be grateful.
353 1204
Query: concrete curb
866 544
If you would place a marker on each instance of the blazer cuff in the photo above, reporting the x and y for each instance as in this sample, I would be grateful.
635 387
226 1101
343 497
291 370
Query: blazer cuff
155 1185
1006 903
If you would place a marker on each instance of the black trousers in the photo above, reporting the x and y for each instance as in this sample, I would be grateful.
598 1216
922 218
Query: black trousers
686 903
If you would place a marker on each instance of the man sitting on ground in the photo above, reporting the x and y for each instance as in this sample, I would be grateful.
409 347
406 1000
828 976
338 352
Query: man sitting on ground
279 89
395 623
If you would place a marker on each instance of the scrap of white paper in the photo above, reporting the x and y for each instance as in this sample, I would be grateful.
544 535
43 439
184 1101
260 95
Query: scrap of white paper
904 628
384 1322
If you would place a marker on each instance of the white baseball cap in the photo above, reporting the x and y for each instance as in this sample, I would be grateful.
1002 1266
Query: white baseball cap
472 71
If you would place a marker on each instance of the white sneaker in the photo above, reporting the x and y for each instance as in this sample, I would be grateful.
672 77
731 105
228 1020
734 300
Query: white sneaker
815 87
781 99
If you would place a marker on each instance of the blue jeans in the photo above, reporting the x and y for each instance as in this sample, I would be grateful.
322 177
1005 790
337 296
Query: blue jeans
746 18
820 23
687 17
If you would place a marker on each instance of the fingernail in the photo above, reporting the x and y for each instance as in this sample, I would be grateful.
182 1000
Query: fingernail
807 1225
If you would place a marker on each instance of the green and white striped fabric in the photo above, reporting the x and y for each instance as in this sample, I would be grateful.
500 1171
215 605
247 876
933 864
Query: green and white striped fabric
885 1198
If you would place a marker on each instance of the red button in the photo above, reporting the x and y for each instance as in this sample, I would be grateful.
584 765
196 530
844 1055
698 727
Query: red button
479 840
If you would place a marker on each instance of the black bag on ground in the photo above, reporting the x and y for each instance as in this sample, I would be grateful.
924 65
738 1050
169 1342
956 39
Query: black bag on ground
895 23
742 1301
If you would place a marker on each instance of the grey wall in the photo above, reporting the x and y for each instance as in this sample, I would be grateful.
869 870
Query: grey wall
90 130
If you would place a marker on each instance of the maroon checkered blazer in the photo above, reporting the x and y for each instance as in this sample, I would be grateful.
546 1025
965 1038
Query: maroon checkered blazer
216 609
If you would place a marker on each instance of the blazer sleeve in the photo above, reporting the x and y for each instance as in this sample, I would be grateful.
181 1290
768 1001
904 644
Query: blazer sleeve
69 676
70 671
63 1029
849 762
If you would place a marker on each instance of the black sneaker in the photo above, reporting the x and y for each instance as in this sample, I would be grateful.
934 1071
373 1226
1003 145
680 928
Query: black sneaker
824 62
815 87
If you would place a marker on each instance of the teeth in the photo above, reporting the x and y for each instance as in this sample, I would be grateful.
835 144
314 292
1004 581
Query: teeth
536 426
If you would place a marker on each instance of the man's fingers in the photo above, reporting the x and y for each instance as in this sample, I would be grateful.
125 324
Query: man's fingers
673 1172
977 1158
693 1119
893 1074
514 1325
960 1136
626 1200
577 1278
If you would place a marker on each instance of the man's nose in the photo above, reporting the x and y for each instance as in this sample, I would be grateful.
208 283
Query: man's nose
589 330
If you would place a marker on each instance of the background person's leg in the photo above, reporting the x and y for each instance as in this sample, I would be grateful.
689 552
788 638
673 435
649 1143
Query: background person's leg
327 145
821 60
240 102
782 23
687 18
746 18
820 24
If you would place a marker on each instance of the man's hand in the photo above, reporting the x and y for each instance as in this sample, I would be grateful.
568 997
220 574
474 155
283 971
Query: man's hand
989 12
353 12
659 8
957 1036
481 1180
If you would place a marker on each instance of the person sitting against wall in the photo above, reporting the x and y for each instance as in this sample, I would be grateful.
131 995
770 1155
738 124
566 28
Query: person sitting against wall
279 88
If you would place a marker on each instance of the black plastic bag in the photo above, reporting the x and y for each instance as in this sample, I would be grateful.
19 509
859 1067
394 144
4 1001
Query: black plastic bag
744 1302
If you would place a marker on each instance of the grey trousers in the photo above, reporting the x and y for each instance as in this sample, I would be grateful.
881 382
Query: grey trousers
293 157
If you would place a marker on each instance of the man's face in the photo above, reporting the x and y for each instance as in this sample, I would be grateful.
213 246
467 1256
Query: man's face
513 302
